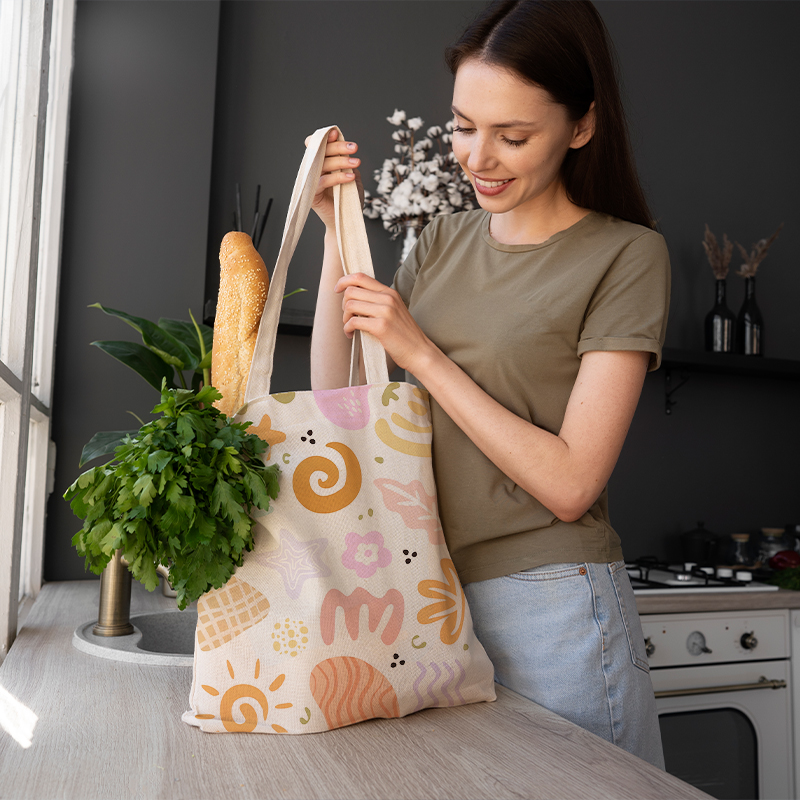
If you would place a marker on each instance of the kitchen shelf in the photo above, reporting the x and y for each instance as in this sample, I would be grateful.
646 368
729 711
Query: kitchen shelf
729 364
687 362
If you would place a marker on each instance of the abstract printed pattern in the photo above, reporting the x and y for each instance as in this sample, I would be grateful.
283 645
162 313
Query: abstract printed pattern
417 508
227 612
265 432
309 496
365 553
351 603
347 408
451 605
296 562
439 684
241 717
349 690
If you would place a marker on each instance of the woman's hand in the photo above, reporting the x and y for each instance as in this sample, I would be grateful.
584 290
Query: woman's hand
370 306
339 167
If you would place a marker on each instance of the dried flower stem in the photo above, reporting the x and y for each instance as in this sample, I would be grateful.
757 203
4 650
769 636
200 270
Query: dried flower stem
719 259
757 255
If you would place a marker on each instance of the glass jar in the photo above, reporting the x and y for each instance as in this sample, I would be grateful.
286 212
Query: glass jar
741 554
772 541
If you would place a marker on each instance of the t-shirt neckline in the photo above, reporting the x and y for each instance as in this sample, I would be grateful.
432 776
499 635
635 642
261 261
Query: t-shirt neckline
524 248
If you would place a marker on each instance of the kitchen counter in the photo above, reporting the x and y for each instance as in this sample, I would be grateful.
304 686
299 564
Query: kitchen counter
679 602
113 729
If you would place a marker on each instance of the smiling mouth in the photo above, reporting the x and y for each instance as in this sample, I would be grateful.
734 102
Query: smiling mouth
490 184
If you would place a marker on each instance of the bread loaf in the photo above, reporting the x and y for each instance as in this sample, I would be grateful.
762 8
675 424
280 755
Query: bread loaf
242 294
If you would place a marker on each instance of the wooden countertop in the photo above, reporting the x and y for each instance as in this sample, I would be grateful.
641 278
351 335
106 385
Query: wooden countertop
685 601
113 729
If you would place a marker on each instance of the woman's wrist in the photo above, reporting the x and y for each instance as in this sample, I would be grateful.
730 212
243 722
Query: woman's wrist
428 362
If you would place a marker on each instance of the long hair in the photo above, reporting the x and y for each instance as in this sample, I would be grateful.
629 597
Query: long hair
563 47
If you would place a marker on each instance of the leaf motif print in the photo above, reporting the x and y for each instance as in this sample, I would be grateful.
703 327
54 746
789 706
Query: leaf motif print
417 508
450 609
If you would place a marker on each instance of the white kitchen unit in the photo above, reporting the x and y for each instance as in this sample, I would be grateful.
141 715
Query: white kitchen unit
725 666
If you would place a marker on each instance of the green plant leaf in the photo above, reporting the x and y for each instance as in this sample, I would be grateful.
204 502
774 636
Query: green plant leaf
102 443
141 360
184 332
159 341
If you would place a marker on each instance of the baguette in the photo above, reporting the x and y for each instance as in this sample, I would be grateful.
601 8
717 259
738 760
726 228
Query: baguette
243 289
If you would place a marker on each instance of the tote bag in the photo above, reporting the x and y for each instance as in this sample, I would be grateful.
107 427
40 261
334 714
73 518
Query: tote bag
349 606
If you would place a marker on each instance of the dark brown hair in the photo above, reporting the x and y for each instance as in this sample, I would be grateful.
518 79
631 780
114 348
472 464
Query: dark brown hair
563 47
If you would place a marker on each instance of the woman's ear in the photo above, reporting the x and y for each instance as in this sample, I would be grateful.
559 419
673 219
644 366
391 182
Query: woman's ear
584 129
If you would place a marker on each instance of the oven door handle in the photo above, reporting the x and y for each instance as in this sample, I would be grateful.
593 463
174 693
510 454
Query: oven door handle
762 683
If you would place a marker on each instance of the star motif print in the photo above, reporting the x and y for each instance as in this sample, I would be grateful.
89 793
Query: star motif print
296 561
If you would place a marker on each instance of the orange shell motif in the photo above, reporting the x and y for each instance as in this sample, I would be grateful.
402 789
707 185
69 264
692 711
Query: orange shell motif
349 690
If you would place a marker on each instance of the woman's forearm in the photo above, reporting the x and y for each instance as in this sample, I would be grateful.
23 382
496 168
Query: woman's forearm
565 472
330 347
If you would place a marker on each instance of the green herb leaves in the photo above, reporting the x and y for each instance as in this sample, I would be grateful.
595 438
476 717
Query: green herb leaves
178 493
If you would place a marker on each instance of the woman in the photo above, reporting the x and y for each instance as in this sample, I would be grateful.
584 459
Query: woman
532 322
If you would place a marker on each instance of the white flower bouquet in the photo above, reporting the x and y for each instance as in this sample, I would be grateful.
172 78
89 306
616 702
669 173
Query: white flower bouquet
421 182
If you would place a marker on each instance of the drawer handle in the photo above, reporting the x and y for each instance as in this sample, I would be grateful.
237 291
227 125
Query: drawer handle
762 683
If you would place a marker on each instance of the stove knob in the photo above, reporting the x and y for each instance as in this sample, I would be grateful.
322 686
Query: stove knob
696 643
748 641
744 576
724 572
689 566
649 647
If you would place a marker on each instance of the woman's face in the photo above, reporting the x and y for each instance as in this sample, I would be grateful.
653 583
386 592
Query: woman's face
511 137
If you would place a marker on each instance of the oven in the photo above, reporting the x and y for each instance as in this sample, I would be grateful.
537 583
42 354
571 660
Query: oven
723 685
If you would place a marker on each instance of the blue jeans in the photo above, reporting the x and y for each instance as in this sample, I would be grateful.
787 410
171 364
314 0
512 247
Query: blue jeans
568 637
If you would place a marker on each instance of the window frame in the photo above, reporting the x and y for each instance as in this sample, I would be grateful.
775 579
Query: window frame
36 197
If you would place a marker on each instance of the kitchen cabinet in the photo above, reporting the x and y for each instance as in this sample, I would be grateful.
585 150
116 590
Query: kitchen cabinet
113 729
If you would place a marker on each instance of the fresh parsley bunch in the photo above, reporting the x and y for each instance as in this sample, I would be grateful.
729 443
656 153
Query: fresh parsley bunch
177 493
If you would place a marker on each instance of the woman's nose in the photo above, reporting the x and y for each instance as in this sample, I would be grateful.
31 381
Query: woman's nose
480 158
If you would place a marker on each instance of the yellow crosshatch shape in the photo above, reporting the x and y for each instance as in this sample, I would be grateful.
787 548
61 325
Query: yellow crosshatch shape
240 692
224 613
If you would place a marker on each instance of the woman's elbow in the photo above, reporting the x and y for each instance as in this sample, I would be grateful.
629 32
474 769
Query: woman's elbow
571 506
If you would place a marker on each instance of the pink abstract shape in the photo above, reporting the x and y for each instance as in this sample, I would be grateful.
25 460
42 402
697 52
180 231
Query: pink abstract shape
348 408
365 553
417 508
351 603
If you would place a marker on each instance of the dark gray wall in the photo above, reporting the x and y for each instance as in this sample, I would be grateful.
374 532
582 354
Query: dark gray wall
136 215
710 89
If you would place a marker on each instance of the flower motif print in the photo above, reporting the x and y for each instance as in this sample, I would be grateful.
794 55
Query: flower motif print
365 554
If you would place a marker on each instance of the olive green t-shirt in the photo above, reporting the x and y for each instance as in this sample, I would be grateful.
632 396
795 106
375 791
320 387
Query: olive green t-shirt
516 319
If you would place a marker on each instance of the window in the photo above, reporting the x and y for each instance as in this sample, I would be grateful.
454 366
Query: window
35 66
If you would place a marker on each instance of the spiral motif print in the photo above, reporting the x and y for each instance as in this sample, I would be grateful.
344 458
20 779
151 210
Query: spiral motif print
232 696
350 690
330 503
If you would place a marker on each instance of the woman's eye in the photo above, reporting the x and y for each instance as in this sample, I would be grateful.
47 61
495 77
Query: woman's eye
459 129
515 142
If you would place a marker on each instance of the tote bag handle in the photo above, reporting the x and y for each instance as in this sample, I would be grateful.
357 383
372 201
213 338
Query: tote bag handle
351 236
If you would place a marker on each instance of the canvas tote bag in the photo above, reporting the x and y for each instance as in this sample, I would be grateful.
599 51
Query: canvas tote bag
349 606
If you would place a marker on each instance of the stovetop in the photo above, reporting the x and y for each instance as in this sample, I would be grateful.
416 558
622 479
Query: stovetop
655 577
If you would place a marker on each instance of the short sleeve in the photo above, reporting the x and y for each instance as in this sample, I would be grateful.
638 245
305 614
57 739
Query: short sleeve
629 308
406 275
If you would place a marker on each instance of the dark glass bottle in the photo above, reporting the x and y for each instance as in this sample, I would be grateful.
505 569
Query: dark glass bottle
720 324
750 324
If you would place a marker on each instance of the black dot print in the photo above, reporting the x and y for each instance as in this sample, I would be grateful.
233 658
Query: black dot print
310 441
411 555
396 661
